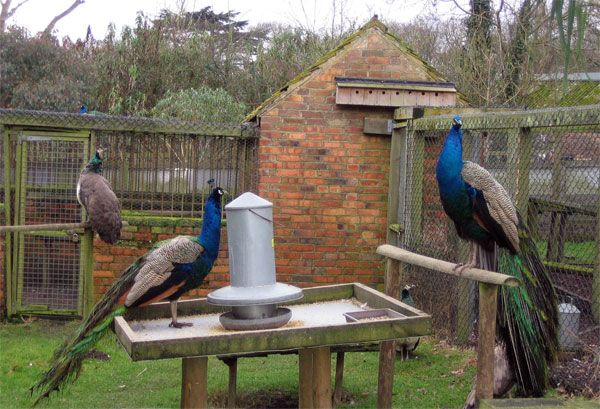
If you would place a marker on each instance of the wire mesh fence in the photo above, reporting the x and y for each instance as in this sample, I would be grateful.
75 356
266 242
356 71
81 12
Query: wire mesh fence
167 174
549 162
156 168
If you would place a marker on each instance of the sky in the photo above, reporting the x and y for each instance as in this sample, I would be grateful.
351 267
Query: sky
314 14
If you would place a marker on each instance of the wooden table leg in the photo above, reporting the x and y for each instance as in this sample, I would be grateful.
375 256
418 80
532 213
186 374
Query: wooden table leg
385 383
339 378
322 377
194 392
305 382
232 392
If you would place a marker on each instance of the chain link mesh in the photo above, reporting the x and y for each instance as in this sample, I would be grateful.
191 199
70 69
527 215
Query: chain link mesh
552 173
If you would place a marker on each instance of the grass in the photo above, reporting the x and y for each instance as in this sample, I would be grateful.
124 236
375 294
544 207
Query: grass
575 252
437 376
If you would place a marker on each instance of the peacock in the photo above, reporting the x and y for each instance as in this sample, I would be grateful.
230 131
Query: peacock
167 271
484 214
100 202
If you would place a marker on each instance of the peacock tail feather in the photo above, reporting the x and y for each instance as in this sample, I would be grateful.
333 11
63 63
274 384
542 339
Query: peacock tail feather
67 360
527 316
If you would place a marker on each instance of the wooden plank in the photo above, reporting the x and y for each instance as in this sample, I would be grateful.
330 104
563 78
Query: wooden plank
305 382
488 300
45 119
502 119
385 380
194 376
375 299
446 267
322 378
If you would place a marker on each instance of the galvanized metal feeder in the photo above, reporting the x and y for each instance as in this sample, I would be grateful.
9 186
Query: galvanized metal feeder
254 293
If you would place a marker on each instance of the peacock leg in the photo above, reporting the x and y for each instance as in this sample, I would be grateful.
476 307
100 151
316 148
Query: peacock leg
174 322
461 267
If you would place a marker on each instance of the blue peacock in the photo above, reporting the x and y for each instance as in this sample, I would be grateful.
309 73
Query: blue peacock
166 272
484 214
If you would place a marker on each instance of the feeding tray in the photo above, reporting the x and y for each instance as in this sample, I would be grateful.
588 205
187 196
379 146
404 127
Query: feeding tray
317 320
383 313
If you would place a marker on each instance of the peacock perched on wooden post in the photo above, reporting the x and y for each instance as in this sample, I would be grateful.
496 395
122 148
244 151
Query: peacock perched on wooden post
166 272
100 202
483 214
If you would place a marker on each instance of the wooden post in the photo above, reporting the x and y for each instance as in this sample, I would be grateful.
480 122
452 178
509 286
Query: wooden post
339 378
524 157
305 383
552 251
473 149
596 279
394 189
322 377
194 393
87 271
387 349
488 299
414 221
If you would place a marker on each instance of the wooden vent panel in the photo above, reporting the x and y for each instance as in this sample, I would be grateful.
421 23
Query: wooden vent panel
394 97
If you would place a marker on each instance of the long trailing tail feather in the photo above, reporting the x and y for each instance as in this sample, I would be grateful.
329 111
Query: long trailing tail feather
67 360
528 316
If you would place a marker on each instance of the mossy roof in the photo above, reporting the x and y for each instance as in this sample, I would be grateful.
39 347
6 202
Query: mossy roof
552 94
373 24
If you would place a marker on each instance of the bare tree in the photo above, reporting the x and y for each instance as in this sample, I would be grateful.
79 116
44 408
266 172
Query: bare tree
7 12
50 27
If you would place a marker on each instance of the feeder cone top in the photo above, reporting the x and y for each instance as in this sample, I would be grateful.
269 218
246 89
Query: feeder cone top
248 200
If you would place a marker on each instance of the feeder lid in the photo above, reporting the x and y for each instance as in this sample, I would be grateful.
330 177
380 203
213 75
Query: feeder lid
568 308
262 294
248 200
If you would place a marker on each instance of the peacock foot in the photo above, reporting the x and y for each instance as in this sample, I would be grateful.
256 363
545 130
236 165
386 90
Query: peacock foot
461 267
177 324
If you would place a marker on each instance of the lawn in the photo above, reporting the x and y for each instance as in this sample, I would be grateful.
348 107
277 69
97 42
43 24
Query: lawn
437 376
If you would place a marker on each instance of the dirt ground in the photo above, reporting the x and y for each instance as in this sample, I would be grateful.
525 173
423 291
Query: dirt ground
578 374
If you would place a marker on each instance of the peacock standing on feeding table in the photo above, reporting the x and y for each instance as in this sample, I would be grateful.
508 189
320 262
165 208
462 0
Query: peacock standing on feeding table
100 202
484 214
166 272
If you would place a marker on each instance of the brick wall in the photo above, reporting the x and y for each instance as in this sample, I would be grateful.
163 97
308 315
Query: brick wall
137 238
328 181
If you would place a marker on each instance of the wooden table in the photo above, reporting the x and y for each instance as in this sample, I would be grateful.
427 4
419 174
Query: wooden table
145 334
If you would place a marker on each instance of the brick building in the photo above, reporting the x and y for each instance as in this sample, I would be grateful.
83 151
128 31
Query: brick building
323 160
321 165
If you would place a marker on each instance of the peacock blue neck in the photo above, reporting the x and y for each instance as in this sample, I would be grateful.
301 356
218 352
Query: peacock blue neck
95 164
210 235
450 162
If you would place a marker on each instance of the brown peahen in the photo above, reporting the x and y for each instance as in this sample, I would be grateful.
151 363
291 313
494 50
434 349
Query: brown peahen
100 202
484 214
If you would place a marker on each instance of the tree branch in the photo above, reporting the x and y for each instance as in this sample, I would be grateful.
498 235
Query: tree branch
50 27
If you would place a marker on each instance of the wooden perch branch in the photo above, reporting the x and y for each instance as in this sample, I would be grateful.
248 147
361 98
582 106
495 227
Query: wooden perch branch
43 227
483 276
